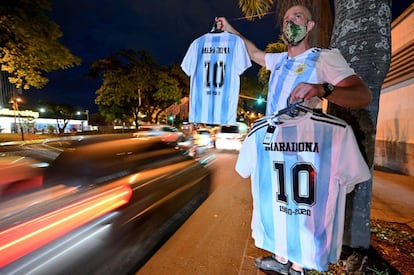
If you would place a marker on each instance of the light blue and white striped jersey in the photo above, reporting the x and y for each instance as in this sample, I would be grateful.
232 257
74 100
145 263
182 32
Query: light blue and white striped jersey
298 175
214 63
315 65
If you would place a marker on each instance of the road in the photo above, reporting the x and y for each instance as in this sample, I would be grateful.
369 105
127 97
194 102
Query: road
217 236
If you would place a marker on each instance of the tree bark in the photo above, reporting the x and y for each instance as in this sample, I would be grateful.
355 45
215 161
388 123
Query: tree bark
362 33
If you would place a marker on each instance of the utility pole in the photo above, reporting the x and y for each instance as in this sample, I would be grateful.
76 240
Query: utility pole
15 104
139 105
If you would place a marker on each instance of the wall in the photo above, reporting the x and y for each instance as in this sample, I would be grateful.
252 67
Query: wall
394 149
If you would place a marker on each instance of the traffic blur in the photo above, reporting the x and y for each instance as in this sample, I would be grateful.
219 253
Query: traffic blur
165 132
205 137
93 204
231 137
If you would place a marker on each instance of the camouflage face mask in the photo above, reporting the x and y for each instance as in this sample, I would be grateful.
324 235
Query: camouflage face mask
294 33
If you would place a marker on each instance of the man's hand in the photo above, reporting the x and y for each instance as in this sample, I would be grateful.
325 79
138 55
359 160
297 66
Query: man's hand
224 25
350 92
306 91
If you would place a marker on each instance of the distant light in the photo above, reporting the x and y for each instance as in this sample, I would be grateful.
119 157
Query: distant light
242 127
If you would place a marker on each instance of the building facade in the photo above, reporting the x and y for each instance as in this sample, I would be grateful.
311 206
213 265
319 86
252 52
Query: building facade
28 121
394 147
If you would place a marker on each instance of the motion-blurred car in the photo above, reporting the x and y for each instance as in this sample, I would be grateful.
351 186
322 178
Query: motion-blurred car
99 204
186 143
204 137
165 132
230 137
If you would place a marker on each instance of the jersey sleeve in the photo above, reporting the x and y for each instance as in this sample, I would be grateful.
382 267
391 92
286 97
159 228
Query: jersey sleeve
271 59
332 66
350 162
247 158
189 62
242 57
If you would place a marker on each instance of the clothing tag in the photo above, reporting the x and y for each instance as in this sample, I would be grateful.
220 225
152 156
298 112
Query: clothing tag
269 134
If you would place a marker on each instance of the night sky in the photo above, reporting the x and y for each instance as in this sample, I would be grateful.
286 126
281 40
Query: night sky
95 29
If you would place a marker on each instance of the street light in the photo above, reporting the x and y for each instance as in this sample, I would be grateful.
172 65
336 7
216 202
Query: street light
15 105
259 100
171 118
86 112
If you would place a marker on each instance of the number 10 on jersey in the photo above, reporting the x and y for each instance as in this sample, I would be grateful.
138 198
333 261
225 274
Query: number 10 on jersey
302 182
214 74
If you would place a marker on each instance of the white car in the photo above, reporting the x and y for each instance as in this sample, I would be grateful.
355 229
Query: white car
229 137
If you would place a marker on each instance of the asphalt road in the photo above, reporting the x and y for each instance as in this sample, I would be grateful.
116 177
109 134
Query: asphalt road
216 238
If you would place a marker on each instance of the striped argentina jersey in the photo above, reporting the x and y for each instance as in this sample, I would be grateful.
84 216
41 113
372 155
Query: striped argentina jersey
298 173
214 63
315 65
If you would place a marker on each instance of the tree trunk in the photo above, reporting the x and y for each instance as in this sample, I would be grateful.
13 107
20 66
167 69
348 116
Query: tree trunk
362 33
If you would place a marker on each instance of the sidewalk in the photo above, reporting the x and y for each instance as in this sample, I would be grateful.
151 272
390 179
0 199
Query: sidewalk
393 198
217 238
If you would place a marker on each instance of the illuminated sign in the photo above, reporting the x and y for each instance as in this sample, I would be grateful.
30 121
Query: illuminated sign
22 113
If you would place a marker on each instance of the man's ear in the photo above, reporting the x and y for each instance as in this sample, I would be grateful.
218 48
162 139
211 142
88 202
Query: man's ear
310 24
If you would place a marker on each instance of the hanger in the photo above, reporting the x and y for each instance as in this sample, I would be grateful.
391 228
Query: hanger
214 28
294 108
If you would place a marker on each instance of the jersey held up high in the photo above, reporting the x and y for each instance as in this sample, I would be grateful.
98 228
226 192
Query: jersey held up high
214 63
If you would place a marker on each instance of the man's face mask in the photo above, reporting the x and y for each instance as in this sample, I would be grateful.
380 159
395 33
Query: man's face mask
294 33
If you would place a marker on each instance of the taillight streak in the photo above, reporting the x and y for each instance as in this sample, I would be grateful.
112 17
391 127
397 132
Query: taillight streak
26 237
